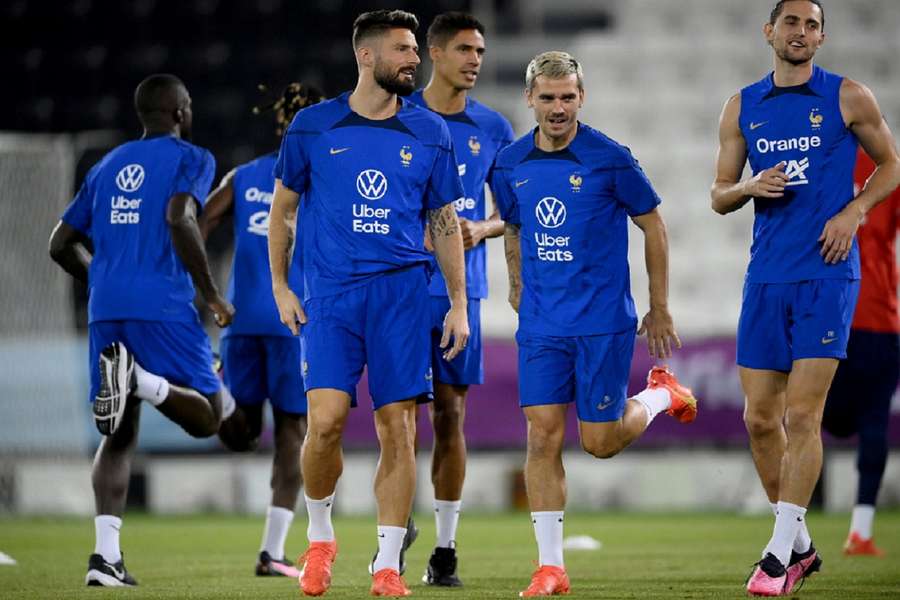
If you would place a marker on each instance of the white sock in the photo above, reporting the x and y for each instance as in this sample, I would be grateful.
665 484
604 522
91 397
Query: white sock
152 388
788 521
106 528
278 522
654 401
228 403
319 511
446 517
861 521
803 540
548 531
390 540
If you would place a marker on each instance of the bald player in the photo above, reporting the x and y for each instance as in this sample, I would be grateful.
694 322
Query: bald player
138 209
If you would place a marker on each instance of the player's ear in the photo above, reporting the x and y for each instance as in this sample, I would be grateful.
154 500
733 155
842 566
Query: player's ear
769 32
529 98
365 56
178 115
434 52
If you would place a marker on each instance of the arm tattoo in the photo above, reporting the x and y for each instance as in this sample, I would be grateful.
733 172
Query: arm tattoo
443 222
513 254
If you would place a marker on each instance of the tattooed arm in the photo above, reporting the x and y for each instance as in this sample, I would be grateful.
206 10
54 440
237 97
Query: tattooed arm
282 232
513 245
443 227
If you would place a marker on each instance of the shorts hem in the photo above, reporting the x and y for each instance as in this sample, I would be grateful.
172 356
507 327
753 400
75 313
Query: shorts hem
542 403
415 397
480 381
759 367
601 419
840 356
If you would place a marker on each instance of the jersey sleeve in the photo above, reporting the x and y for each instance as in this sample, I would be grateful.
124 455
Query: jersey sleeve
633 190
444 185
195 174
504 196
506 135
292 164
79 212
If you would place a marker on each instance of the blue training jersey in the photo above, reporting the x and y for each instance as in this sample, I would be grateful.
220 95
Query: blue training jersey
478 133
250 284
366 188
802 126
135 273
573 207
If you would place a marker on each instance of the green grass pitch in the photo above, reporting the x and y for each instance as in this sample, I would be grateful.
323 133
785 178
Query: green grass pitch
643 556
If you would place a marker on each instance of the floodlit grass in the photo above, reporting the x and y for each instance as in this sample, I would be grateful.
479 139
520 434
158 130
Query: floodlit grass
643 556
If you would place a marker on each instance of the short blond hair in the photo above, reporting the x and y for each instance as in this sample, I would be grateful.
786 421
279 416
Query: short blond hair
554 64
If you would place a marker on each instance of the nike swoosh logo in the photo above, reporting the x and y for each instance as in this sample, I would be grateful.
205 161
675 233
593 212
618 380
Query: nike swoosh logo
119 574
339 150
521 183
828 340
757 125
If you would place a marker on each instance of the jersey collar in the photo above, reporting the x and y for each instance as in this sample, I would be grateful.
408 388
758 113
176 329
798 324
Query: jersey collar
813 87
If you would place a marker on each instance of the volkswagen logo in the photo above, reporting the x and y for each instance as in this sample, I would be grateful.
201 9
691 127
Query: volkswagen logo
130 178
371 184
550 212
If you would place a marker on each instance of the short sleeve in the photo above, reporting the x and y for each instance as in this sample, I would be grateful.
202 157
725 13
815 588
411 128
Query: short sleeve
504 196
195 175
78 213
444 185
633 189
292 164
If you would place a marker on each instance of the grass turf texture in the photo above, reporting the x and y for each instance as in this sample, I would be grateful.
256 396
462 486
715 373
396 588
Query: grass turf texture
643 556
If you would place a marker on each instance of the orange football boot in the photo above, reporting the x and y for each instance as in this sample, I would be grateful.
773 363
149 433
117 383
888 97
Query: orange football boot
315 575
547 580
387 582
857 546
684 405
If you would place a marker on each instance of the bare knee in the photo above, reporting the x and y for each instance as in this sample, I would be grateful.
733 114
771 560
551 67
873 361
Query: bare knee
601 446
448 419
545 439
325 431
803 423
762 424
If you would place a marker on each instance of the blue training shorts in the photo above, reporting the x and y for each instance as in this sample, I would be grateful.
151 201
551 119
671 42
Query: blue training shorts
468 366
264 367
590 370
179 351
383 324
784 322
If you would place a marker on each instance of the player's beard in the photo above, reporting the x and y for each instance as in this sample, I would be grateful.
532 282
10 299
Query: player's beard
392 82
783 54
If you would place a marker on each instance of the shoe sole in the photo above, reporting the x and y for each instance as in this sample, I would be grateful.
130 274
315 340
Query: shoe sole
99 578
115 372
